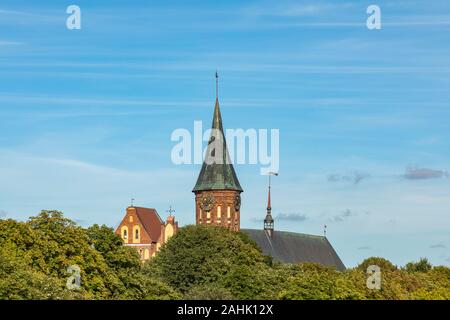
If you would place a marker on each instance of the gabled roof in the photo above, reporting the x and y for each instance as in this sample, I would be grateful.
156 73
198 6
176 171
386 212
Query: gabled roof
291 247
151 221
217 176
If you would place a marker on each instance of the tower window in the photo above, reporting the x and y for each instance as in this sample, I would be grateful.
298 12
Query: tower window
125 234
219 212
136 234
228 212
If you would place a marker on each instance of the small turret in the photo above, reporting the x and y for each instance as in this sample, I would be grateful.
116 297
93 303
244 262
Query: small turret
268 220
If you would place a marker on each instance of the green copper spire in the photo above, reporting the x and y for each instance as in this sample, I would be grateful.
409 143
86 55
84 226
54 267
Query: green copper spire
217 176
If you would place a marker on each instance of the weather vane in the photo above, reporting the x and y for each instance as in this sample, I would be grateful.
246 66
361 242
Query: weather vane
132 201
170 210
270 174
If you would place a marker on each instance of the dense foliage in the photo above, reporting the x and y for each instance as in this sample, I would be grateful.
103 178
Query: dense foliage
198 263
35 257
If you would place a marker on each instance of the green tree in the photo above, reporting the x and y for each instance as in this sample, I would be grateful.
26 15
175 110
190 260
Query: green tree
19 281
384 264
420 266
311 281
41 249
208 292
199 255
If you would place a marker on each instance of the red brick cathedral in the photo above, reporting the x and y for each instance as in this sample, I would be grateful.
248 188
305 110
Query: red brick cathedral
217 191
218 203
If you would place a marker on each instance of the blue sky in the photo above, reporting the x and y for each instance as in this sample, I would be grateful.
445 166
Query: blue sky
86 115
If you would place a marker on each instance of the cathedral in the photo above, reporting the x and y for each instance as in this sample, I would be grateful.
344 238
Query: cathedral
218 203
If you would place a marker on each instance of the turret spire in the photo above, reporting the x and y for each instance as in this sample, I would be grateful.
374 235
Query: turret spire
268 221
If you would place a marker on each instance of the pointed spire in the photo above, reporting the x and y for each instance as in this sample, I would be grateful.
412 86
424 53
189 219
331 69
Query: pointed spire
268 220
217 117
217 87
218 176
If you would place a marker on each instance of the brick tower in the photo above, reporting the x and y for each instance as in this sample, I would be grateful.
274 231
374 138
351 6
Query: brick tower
217 191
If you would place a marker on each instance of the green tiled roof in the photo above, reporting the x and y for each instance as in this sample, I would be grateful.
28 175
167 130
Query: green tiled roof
218 176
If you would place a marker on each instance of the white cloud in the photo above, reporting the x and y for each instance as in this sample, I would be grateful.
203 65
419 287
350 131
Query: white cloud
85 191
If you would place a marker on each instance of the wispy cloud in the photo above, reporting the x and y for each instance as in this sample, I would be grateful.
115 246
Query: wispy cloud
418 20
417 173
95 192
438 246
9 43
343 216
354 177
142 68
10 12
426 22
30 17
293 9
294 217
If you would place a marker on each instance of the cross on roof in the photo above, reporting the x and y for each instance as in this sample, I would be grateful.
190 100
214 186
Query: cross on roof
170 210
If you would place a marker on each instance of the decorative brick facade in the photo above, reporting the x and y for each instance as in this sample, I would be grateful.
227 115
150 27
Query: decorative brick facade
144 230
218 208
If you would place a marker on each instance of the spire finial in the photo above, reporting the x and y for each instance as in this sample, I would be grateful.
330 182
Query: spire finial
217 85
132 202
269 207
170 211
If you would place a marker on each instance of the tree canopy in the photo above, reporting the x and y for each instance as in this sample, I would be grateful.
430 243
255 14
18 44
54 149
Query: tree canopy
197 263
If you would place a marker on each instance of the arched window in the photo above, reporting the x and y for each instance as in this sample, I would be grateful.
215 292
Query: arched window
219 212
136 235
124 233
